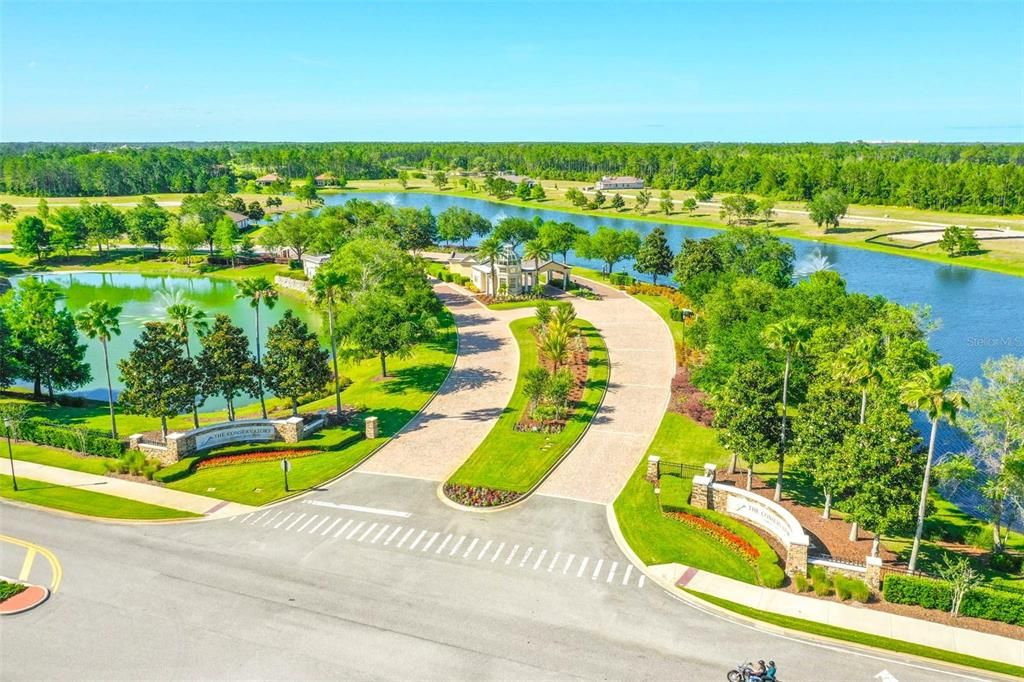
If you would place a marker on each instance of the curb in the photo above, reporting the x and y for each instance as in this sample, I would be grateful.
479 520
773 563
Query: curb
547 474
39 594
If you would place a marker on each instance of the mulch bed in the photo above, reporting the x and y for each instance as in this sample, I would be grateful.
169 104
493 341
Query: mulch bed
579 365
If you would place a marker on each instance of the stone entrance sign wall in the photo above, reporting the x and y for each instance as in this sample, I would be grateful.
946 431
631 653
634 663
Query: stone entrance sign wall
755 510
185 443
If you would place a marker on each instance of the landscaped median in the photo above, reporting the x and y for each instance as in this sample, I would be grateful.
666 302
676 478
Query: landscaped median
532 434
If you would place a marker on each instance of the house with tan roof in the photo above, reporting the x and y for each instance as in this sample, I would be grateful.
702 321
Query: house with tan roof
268 179
619 182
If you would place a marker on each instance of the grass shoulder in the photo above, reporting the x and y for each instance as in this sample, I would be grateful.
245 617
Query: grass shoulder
85 502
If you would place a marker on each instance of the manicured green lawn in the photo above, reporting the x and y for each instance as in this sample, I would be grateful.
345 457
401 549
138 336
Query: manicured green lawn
510 305
856 637
515 460
83 501
662 306
40 454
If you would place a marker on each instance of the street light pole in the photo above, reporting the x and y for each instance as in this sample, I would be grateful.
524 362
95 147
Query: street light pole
10 453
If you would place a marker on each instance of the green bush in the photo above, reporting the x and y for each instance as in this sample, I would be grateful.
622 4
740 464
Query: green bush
817 573
842 587
981 602
620 279
801 582
75 438
1005 563
822 588
860 591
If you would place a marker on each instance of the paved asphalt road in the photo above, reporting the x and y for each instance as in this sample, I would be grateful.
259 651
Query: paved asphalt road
314 589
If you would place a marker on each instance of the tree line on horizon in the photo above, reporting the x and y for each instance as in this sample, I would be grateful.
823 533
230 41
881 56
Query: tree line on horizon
983 178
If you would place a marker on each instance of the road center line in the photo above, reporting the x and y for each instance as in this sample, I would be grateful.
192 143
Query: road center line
26 565
458 544
611 571
392 536
283 520
597 569
355 530
308 521
297 519
342 529
357 508
433 537
540 558
443 544
554 560
317 526
380 533
328 528
470 548
367 532
497 552
417 540
583 566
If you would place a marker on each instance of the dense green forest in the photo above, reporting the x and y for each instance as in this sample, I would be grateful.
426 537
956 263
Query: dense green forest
983 178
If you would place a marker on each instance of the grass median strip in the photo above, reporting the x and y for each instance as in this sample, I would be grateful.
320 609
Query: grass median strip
865 639
85 502
515 461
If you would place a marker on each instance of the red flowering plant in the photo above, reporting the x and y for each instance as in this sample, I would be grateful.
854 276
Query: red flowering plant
252 457
479 496
716 532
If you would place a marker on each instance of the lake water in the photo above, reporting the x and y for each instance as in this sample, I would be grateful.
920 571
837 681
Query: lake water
981 313
145 298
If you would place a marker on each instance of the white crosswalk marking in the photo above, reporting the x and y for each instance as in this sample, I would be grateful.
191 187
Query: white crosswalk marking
583 566
271 519
405 537
283 520
248 516
554 560
540 559
640 583
391 537
455 547
355 530
417 540
433 537
629 571
484 550
379 533
367 532
568 562
511 554
297 519
597 569
611 571
443 544
342 529
317 526
525 557
470 548
260 517
308 521
497 552
328 528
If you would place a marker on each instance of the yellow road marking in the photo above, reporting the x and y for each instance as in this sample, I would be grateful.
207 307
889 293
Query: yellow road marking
55 566
26 566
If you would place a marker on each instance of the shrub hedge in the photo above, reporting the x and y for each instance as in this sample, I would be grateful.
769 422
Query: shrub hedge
981 602
75 438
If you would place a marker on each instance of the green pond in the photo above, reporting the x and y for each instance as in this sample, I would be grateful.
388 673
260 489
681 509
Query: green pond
145 298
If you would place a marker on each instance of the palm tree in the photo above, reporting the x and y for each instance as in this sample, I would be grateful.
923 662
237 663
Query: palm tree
183 316
790 335
99 321
489 250
928 390
327 290
537 251
860 364
258 290
555 346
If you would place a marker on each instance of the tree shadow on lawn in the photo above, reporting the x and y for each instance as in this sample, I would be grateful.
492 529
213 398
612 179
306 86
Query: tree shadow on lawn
798 486
420 377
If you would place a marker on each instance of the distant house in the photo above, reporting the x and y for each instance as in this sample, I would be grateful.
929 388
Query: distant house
326 180
241 221
619 182
311 262
268 179
516 179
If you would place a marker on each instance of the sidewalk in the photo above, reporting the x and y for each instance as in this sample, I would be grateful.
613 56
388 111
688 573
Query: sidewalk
140 492
923 632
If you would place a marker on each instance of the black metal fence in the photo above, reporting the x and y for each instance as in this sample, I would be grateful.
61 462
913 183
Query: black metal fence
680 470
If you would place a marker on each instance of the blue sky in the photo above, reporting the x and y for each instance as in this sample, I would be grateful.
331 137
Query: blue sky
623 71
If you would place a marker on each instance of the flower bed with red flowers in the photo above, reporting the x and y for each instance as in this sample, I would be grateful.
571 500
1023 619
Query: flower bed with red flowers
253 457
479 496
716 532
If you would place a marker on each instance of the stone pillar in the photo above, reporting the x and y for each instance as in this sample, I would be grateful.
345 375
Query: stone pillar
291 429
653 469
796 557
134 441
180 445
709 471
873 574
372 428
702 493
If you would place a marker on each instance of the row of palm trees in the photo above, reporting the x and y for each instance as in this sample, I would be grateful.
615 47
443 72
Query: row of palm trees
100 321
860 363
